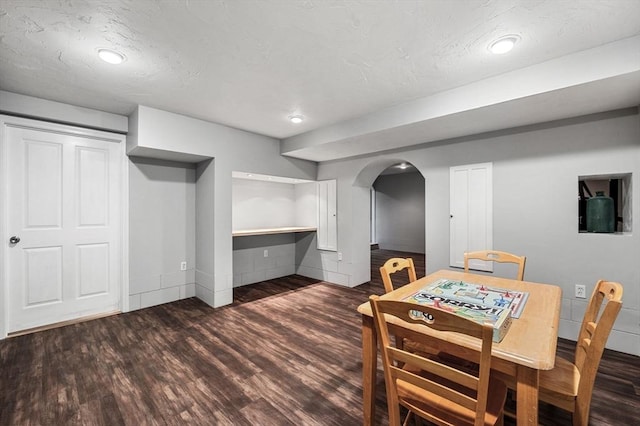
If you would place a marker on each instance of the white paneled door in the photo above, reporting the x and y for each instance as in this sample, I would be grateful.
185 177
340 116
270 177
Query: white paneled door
64 219
471 213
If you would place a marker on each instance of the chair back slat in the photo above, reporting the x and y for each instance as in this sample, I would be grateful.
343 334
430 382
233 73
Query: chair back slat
445 371
394 265
496 256
434 387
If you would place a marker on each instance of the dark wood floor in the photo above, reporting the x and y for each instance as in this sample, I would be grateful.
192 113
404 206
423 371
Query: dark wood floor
287 352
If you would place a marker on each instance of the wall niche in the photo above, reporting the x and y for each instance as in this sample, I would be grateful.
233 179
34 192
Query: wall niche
270 215
615 186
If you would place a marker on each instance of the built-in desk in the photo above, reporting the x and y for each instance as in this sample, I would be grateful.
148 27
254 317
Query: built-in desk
267 253
271 231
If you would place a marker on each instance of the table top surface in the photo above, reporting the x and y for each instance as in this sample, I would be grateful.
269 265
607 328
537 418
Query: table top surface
531 339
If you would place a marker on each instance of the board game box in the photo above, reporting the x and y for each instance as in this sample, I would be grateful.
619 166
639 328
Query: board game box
483 304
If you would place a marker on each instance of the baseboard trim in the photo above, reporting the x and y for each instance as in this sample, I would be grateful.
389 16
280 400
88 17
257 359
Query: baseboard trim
62 323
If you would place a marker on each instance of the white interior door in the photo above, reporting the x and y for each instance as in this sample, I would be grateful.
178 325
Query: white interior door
63 201
471 218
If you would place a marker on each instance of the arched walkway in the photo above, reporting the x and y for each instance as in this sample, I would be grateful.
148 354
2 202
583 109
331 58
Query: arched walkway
360 189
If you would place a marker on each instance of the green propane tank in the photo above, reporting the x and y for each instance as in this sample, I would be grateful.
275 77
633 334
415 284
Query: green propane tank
600 213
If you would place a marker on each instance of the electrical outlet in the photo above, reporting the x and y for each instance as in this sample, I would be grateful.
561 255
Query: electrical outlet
183 265
266 253
339 256
581 291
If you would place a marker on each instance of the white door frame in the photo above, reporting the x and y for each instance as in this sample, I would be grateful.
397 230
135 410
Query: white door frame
9 121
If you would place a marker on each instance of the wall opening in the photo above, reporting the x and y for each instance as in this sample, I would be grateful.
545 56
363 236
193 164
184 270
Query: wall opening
398 213
604 204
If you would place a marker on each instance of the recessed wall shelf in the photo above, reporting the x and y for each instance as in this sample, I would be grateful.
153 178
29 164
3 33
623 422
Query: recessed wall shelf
276 223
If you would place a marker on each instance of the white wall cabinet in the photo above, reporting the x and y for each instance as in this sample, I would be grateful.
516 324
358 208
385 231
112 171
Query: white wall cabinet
327 215
471 213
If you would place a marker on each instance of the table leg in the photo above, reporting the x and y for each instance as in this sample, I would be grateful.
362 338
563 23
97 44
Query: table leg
527 396
369 369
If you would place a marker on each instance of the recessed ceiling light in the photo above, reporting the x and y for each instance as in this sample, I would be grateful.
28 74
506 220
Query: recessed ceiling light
503 44
403 166
296 119
111 56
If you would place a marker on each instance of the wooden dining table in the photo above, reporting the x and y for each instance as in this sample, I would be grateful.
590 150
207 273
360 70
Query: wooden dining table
528 346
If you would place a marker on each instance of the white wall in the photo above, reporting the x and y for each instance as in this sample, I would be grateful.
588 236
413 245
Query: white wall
535 175
306 195
400 210
205 230
318 264
261 204
219 150
57 112
263 257
162 231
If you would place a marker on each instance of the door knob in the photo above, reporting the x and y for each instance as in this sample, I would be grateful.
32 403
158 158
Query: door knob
14 240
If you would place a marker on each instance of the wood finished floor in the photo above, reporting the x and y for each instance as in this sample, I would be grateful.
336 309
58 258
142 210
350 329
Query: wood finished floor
286 352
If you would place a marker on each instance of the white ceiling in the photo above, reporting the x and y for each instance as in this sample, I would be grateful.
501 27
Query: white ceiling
367 75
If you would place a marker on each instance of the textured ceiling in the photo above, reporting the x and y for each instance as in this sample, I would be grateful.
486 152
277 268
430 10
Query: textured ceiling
251 64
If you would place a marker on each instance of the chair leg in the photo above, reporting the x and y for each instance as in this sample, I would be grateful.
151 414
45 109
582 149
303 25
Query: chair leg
510 405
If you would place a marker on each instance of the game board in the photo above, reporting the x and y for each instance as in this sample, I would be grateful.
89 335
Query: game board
475 301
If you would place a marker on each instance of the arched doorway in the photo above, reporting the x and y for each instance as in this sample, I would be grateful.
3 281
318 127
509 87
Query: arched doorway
395 212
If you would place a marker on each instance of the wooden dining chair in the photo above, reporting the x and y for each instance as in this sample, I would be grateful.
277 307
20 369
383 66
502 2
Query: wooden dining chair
569 385
429 388
496 256
394 265
391 266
